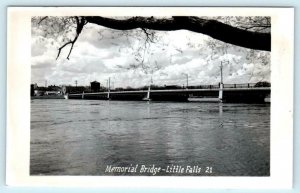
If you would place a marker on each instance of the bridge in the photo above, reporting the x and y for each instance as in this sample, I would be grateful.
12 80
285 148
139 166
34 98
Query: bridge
240 93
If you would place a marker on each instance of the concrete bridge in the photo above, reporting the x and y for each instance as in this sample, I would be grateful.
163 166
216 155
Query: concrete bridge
222 93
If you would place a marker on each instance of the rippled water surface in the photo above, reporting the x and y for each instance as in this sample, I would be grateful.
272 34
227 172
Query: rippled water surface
82 137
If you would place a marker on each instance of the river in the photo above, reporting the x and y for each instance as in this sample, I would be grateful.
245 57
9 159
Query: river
95 137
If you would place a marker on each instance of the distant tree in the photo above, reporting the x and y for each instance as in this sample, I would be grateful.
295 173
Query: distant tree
262 84
128 88
119 89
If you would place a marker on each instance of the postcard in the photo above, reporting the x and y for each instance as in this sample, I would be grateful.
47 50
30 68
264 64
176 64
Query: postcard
166 97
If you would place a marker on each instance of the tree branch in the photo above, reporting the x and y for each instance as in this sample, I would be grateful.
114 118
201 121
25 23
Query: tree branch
255 26
212 28
80 22
42 19
149 36
59 49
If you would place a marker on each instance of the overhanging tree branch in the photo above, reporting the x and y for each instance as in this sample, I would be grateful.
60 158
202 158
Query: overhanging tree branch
212 28
241 36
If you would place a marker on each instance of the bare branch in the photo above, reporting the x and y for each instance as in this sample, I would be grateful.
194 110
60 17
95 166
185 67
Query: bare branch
149 36
59 49
42 19
80 24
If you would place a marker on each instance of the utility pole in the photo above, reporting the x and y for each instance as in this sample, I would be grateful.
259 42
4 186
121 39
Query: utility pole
187 79
221 68
108 88
221 83
108 84
75 85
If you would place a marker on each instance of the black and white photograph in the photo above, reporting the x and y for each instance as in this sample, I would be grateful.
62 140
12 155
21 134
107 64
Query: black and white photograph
108 96
175 96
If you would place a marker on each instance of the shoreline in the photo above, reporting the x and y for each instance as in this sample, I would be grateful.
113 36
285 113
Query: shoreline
48 97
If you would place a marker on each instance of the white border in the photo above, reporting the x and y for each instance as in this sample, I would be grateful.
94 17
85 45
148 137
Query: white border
18 101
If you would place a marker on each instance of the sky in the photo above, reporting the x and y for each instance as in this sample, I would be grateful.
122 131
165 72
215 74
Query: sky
102 53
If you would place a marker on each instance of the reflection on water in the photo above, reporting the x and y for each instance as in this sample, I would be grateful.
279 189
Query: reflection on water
81 137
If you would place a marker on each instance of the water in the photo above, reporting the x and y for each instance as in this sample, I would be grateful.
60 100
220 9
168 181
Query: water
82 137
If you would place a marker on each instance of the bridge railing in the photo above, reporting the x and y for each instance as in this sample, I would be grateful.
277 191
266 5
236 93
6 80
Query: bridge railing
176 87
245 85
204 87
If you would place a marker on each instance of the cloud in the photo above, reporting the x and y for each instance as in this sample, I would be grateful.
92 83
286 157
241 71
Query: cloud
38 49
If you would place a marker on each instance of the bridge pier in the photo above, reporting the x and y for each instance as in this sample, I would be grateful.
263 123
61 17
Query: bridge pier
147 98
221 92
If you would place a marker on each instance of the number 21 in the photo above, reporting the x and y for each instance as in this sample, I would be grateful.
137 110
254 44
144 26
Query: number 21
208 170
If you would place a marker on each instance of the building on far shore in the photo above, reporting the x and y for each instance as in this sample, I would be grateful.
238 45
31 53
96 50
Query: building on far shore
95 86
53 93
52 90
74 89
32 90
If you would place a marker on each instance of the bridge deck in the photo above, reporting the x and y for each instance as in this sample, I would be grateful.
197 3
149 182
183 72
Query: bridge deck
179 91
249 95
